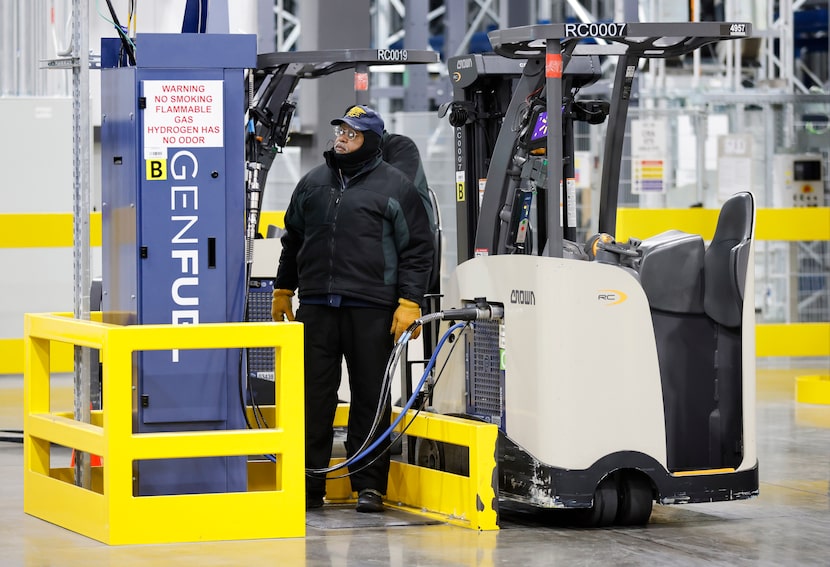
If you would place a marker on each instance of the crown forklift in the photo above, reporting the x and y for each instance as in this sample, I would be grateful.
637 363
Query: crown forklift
619 374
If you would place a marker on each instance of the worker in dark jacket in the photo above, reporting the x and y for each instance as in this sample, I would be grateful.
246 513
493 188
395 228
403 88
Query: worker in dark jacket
401 151
358 249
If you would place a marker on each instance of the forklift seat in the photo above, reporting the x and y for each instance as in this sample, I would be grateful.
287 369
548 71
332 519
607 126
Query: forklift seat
699 336
726 260
725 268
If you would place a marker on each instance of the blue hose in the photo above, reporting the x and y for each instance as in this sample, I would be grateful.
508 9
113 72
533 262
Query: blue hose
411 400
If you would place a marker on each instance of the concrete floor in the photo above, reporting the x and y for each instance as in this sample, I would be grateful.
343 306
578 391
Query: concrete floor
788 524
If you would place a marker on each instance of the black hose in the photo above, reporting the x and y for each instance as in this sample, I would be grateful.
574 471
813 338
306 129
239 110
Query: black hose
122 34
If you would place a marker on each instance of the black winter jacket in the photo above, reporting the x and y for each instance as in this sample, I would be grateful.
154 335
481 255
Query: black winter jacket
367 239
401 151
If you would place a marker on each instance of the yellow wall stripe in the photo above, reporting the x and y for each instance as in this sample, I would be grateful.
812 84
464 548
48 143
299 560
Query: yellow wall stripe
44 230
793 339
56 230
11 357
809 223
806 339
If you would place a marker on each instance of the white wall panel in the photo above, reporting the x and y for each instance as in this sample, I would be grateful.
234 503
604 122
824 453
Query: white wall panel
36 155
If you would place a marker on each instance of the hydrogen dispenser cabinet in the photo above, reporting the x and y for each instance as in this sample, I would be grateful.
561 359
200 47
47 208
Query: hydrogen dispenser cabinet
173 226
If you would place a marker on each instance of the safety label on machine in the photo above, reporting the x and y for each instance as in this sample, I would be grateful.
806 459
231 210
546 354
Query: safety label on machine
649 151
182 114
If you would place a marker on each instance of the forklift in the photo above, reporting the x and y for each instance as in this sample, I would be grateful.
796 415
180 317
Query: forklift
619 373
271 107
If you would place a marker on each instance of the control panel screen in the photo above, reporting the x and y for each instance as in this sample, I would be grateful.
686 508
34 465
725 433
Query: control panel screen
807 170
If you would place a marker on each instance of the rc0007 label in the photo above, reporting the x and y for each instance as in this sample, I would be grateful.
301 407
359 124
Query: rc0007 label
595 30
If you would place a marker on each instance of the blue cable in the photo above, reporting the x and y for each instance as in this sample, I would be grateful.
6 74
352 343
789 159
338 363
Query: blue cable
430 365
411 400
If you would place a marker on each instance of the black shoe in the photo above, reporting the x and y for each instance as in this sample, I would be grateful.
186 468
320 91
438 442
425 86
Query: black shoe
369 500
312 502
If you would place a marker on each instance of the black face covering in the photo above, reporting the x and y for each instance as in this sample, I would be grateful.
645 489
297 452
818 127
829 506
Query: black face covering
351 163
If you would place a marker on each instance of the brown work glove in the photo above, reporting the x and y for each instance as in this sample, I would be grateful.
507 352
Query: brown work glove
281 305
405 315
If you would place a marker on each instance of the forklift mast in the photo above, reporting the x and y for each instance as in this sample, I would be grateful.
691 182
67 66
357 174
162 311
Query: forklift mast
534 150
483 85
270 110
277 76
496 94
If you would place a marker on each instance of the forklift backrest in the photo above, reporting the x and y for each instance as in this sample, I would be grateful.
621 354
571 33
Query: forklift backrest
726 260
671 271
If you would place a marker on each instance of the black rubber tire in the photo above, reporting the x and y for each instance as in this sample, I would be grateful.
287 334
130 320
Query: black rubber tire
604 510
429 454
636 500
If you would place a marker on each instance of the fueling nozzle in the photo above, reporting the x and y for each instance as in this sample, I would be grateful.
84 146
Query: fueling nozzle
473 313
482 310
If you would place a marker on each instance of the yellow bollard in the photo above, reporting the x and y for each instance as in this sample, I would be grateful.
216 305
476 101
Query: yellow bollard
813 389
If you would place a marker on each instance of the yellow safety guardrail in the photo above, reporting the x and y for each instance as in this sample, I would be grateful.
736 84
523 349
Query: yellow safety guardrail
273 506
467 501
108 511
471 502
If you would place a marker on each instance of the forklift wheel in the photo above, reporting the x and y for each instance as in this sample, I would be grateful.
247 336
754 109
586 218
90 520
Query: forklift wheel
604 510
445 457
636 500
429 454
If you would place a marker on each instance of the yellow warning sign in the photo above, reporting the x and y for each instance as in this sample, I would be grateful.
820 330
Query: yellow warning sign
156 169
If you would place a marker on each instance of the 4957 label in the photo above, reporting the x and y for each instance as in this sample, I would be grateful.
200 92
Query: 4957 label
736 29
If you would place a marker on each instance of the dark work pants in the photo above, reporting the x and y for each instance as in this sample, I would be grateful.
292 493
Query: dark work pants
361 336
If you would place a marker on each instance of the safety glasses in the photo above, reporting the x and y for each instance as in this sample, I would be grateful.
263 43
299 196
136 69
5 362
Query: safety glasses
340 131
